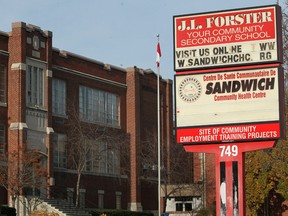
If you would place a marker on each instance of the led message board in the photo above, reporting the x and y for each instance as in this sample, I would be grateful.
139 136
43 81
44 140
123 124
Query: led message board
227 38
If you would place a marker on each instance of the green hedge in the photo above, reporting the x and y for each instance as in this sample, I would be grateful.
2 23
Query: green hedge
119 213
8 211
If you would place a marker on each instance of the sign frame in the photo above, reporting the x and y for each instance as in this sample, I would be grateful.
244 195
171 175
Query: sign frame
190 133
203 47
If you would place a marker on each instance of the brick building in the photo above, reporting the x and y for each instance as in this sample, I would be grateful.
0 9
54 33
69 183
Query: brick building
40 84
43 82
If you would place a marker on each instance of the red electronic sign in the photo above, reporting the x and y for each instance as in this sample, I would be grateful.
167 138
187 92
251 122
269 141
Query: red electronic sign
227 38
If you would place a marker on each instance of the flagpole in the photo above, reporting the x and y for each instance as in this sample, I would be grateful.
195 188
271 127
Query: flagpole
158 125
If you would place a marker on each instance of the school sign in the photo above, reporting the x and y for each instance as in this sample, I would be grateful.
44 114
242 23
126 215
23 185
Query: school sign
227 38
228 72
229 91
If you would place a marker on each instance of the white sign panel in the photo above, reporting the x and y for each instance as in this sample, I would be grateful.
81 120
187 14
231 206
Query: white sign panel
232 97
228 38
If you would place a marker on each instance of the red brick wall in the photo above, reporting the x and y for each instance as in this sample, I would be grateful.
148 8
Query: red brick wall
210 179
93 183
133 115
138 112
16 78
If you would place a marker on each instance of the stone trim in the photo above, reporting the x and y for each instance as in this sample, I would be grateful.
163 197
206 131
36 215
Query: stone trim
18 66
18 125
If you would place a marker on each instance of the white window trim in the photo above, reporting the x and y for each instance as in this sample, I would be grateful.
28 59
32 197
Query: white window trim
43 66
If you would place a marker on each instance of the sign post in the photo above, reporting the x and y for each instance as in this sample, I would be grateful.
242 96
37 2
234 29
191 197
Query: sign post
229 91
229 171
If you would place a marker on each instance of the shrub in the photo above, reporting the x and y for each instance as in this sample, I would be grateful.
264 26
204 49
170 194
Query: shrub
208 211
8 211
43 213
119 213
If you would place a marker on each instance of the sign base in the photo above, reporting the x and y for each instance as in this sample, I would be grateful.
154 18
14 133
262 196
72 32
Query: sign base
230 172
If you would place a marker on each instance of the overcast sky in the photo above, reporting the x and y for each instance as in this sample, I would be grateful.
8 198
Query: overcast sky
117 32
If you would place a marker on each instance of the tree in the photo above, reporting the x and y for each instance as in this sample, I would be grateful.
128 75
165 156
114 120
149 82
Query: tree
266 179
23 172
176 168
90 144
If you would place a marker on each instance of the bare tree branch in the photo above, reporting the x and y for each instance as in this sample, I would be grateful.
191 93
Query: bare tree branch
91 146
176 177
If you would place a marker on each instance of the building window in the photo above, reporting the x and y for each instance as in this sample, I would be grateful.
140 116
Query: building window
113 161
118 200
3 76
82 198
2 141
36 42
100 199
35 85
37 140
98 106
70 192
179 207
102 158
59 147
58 97
188 206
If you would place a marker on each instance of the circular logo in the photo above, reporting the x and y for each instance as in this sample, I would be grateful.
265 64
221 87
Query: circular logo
190 89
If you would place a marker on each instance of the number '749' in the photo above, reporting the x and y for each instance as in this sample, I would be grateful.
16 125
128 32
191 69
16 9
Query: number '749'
228 150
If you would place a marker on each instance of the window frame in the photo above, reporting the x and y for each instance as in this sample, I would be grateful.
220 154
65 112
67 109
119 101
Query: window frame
2 140
3 84
102 159
118 200
59 97
35 84
101 199
98 106
59 161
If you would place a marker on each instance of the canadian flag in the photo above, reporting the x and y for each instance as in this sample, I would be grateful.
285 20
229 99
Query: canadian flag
158 55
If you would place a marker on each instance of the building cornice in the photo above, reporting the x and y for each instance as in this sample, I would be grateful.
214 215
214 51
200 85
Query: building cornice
65 54
88 76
